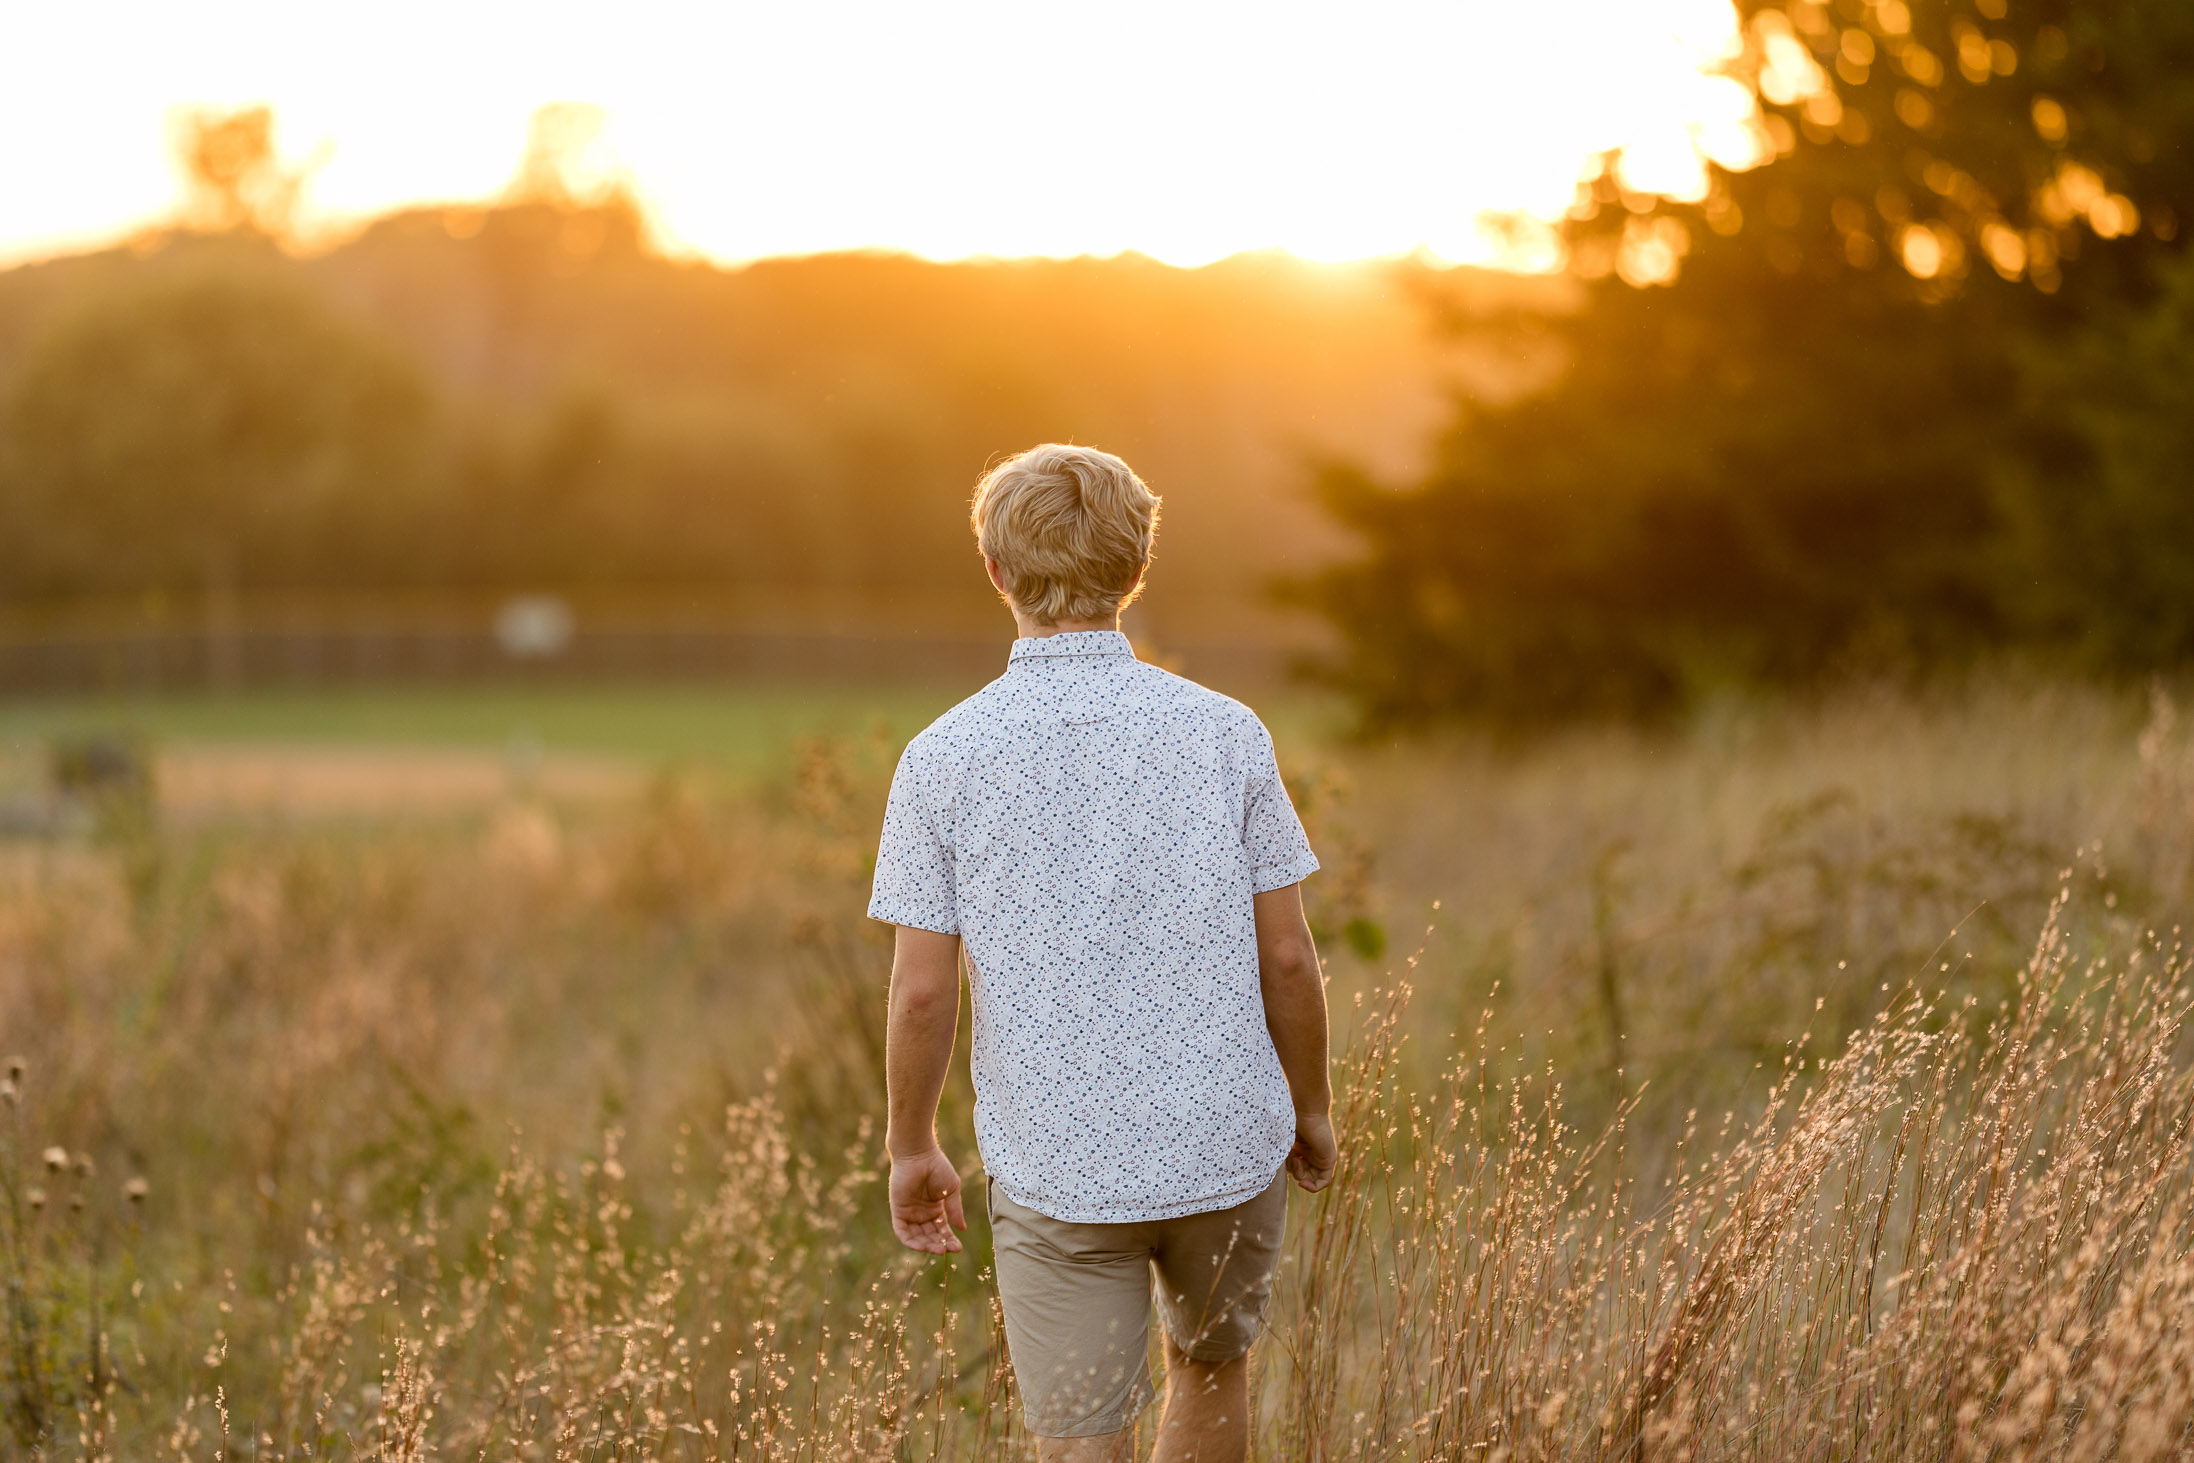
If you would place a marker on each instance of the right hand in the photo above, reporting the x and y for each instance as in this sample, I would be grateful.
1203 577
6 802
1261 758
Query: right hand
1314 1157
925 1203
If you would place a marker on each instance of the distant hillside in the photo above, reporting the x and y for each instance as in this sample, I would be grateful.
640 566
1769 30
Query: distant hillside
525 397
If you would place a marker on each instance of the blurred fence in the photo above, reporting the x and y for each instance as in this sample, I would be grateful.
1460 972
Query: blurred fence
165 659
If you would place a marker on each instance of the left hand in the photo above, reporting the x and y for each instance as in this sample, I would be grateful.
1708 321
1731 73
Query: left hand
1314 1157
925 1203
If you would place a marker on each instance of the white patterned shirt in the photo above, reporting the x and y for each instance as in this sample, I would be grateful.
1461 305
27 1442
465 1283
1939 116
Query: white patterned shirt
1093 828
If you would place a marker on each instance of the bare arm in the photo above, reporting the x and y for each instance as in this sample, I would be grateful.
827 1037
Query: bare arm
925 1013
1295 1013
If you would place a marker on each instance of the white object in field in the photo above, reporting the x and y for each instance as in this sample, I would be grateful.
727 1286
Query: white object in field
533 626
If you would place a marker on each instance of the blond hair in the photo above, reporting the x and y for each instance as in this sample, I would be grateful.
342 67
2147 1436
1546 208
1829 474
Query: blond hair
1070 528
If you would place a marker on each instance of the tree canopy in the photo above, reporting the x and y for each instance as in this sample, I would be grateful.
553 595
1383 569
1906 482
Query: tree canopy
1911 389
211 427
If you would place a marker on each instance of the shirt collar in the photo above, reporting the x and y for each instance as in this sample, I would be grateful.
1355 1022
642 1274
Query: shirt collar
1073 642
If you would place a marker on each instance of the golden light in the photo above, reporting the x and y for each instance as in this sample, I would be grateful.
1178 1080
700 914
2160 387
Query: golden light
1186 131
1789 72
1920 64
1914 110
1922 250
2113 216
2050 122
1652 251
2072 193
1974 58
2005 247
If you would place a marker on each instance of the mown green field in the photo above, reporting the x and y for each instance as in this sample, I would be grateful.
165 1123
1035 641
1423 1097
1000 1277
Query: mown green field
746 729
746 726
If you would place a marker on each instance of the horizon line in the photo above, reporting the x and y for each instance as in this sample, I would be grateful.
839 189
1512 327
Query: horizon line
328 237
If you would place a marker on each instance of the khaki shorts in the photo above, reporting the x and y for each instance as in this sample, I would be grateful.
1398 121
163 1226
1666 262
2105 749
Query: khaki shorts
1077 1302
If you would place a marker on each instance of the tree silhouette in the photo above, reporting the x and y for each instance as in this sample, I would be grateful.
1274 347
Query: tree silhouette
1846 408
233 179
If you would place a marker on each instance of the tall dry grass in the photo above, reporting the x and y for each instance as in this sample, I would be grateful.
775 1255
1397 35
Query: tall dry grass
1965 1234
553 1137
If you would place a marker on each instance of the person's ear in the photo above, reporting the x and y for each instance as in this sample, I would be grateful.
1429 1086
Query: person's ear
997 575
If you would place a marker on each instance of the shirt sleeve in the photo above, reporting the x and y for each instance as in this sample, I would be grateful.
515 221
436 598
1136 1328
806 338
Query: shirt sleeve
1272 836
914 857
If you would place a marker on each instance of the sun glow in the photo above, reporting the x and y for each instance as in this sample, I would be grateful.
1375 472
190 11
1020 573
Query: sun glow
1186 131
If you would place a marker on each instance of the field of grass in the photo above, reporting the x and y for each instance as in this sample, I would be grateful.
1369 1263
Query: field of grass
1811 1082
747 728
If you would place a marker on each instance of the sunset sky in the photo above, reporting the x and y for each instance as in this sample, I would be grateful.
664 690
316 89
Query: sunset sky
1185 130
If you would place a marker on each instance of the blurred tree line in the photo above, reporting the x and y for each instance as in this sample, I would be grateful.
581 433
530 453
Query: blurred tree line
1916 389
530 395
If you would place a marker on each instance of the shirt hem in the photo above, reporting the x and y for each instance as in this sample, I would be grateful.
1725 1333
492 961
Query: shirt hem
1249 1189
1264 881
913 919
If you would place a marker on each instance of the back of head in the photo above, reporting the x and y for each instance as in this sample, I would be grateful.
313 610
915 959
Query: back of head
1070 528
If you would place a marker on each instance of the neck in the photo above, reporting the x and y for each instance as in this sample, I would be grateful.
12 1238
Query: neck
1038 630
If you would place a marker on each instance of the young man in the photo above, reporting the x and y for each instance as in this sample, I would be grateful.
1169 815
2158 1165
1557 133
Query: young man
1114 850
